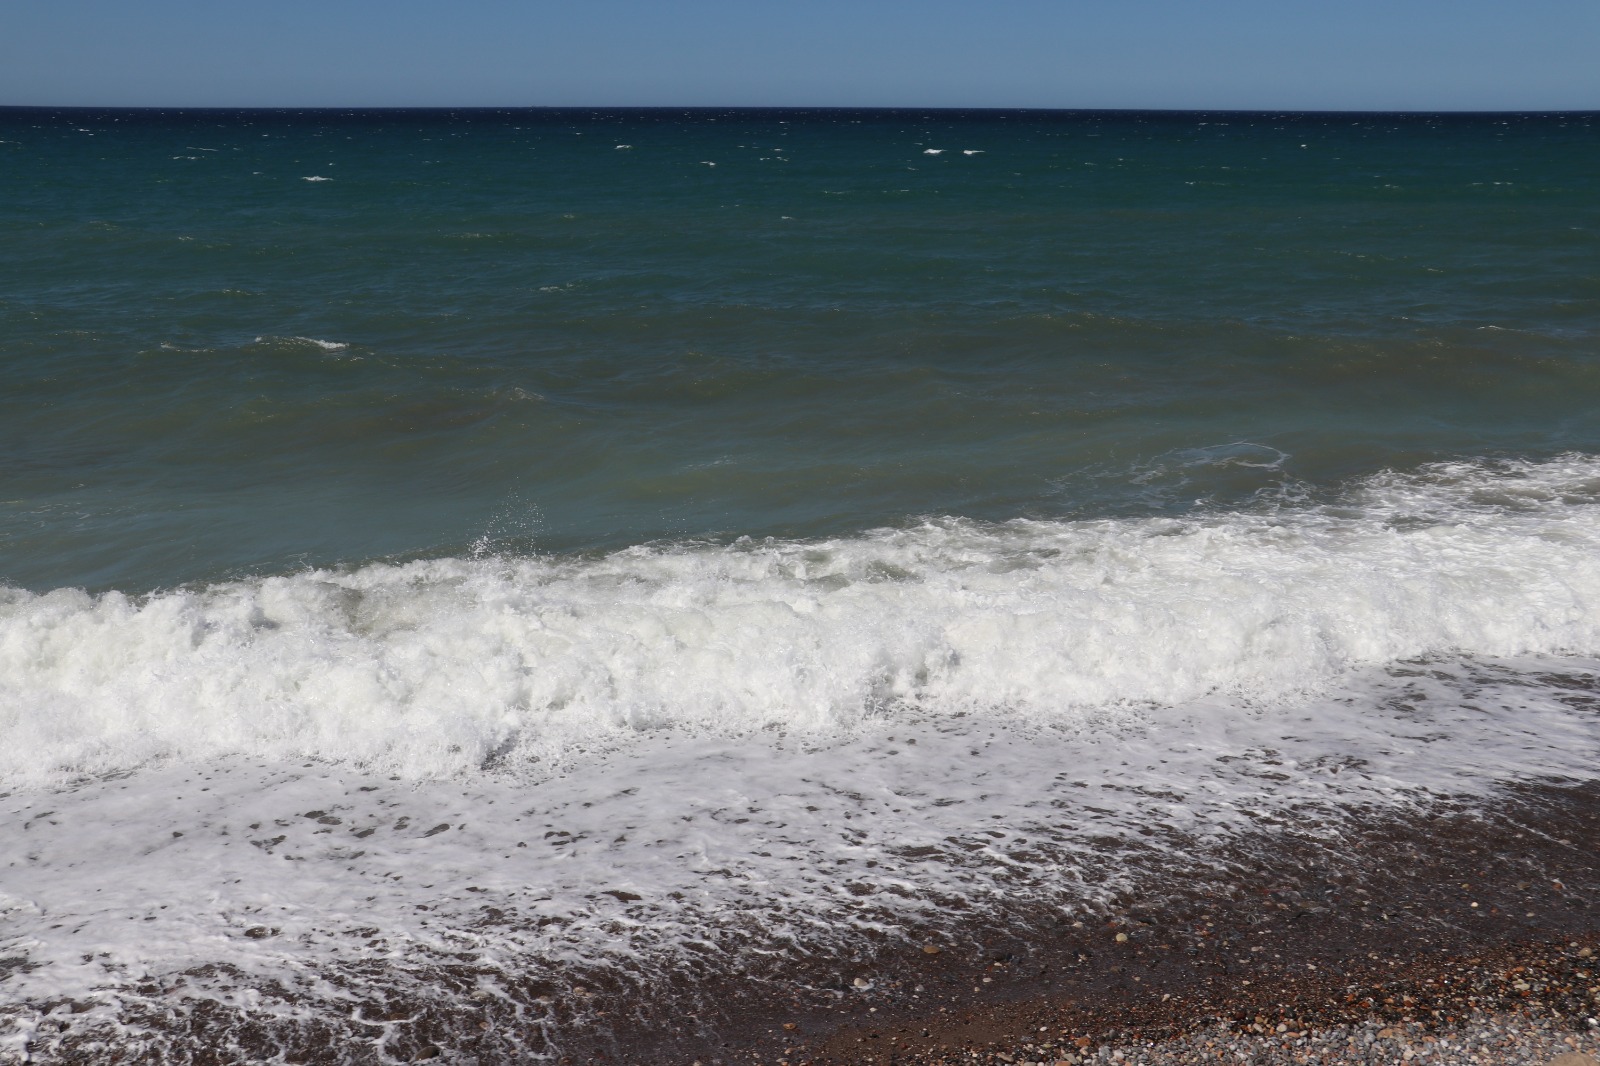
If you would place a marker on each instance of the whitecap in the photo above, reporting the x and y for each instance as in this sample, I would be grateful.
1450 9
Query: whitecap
327 346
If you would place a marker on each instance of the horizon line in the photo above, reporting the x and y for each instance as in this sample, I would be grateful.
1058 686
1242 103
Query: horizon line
956 108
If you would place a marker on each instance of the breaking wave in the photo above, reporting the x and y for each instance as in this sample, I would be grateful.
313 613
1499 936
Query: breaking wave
439 667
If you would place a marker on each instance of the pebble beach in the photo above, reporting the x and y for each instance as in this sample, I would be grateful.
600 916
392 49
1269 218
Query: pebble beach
1540 1011
1465 937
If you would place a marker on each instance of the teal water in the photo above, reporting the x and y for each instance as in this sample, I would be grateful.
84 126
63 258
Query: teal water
504 331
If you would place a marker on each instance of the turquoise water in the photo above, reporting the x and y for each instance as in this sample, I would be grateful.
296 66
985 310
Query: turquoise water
502 330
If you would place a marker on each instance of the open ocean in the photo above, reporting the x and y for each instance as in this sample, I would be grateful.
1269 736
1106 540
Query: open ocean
481 557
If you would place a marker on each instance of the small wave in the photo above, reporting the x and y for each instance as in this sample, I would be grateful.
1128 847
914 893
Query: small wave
327 346
316 177
1178 464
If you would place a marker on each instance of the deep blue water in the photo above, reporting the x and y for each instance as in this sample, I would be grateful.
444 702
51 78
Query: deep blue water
560 331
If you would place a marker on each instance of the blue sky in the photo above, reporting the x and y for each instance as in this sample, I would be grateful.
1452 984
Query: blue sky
1399 54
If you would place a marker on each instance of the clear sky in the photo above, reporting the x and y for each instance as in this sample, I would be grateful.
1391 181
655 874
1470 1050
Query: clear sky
1384 54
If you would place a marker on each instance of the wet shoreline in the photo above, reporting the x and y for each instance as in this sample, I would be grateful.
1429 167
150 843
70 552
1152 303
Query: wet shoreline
1405 920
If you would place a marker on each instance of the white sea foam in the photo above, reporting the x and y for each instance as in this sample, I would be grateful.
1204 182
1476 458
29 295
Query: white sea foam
316 177
812 732
327 346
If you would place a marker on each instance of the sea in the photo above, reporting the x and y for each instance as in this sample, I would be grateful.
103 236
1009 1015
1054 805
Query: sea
455 561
